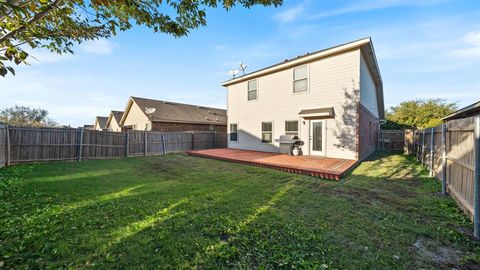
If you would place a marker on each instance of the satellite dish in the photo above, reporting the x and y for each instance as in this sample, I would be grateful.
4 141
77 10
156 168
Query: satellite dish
243 67
233 72
149 110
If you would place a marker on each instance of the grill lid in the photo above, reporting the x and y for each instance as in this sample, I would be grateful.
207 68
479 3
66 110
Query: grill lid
287 139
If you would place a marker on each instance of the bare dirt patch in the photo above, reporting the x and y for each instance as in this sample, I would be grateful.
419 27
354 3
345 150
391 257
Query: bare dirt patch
443 256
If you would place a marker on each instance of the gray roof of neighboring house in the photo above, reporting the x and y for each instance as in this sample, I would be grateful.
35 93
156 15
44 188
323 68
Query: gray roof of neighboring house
470 110
117 115
102 121
166 111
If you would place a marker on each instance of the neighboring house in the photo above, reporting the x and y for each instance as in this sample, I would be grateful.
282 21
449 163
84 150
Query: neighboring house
88 127
469 111
113 122
169 116
100 123
332 99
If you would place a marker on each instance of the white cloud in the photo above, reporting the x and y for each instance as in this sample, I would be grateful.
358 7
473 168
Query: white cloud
468 53
98 46
220 47
289 15
42 56
472 38
471 41
373 5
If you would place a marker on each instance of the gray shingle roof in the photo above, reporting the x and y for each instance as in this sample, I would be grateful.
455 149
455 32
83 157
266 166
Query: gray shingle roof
102 121
166 111
117 115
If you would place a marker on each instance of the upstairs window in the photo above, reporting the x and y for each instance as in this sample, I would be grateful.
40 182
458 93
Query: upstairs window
252 90
233 132
300 79
291 128
267 132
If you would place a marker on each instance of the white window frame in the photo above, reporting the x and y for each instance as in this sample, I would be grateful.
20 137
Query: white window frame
290 132
271 132
230 132
306 78
256 90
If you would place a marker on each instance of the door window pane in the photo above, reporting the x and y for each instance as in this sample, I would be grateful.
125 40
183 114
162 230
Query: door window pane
317 136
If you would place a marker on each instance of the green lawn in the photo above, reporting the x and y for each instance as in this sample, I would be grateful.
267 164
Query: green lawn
177 211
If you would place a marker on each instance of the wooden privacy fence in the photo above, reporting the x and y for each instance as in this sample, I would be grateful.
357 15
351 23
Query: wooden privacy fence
27 144
451 152
394 140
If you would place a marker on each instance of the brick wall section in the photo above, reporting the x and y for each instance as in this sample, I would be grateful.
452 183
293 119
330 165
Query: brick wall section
176 127
367 132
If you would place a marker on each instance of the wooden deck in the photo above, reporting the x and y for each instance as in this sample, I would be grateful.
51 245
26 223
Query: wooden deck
324 167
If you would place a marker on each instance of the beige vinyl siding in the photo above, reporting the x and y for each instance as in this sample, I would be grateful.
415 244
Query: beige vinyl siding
368 94
136 117
332 82
96 126
113 125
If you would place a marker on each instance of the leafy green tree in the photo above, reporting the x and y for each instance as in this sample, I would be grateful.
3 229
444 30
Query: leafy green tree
420 113
59 24
26 116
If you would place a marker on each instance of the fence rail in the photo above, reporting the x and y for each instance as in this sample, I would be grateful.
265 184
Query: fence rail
32 144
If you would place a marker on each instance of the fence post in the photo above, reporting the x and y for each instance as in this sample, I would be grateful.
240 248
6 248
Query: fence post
444 159
214 139
378 139
193 142
406 148
432 152
164 144
8 146
145 142
127 143
413 142
417 145
80 145
476 179
423 147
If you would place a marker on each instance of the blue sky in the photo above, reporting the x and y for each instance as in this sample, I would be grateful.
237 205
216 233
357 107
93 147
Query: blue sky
425 49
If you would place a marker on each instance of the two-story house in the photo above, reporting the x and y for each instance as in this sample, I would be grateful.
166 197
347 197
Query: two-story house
332 99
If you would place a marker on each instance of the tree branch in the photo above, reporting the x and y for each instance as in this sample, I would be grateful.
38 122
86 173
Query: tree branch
32 20
12 3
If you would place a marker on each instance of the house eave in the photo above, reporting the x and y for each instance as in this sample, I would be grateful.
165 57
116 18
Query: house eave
299 61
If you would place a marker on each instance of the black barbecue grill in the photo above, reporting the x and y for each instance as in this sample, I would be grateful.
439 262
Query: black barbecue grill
288 143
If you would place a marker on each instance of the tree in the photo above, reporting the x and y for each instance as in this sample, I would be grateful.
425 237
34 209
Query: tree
26 116
421 113
59 24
